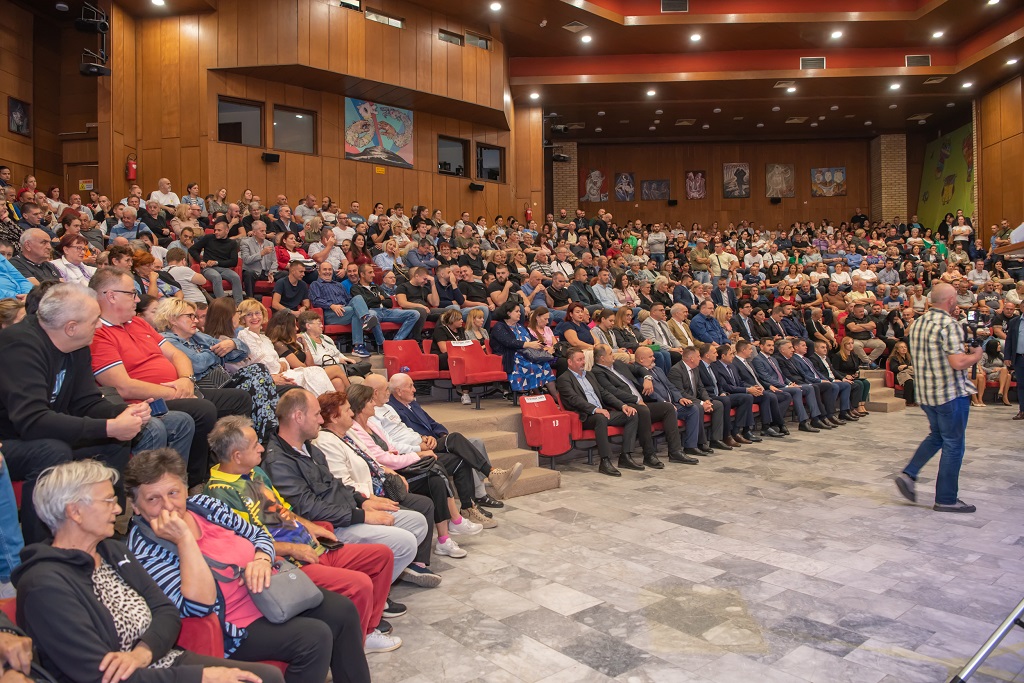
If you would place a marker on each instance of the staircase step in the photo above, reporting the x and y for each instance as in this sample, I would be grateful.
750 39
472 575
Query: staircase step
872 374
534 480
499 441
505 459
877 383
886 404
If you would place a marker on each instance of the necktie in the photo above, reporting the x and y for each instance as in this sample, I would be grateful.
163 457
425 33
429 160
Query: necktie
660 391
807 364
746 324
714 382
665 336
752 373
693 381
776 369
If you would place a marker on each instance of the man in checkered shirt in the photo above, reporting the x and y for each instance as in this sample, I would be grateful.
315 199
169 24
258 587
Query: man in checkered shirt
943 390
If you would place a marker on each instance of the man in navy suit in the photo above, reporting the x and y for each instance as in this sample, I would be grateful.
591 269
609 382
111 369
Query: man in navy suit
685 376
840 390
682 294
742 402
656 386
792 325
724 295
743 323
1013 352
773 402
769 374
774 322
796 372
729 381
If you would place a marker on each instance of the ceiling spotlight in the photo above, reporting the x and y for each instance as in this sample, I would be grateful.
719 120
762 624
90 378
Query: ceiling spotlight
706 126
834 107
837 34
158 3
694 37
921 122
535 96
1011 62
62 7
867 123
791 89
717 110
495 6
586 39
658 112
892 106
760 125
814 124
938 34
993 2
968 84
951 104
657 121
821 118
651 93
598 130
776 108
894 86
653 128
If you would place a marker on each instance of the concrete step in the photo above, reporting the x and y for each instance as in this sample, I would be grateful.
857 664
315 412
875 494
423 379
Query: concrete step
872 374
505 459
500 441
885 404
877 384
534 480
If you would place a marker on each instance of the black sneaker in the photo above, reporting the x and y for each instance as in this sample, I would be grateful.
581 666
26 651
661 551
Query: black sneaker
393 609
488 502
384 627
960 506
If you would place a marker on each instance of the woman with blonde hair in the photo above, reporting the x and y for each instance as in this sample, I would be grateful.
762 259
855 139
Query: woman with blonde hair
12 312
846 366
723 314
475 330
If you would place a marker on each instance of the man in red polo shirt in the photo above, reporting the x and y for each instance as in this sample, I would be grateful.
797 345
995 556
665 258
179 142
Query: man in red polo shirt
129 355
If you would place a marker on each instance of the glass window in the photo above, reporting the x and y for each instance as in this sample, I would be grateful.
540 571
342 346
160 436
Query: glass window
381 18
352 4
478 41
240 122
490 163
294 130
451 156
449 37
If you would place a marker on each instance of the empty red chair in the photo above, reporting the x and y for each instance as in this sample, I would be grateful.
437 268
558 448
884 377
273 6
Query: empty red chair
547 427
399 355
470 366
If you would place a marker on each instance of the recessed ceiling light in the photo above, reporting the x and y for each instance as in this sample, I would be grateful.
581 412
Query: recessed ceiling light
535 96
653 128
867 123
837 34
834 107
1011 62
894 86
791 89
776 108
921 122
694 37
495 6
993 2
938 34
657 121
951 104
624 121
598 130
968 84
586 39
658 112
298 116
706 126
158 3
848 116
760 125
600 113
814 124
717 110
651 93
892 106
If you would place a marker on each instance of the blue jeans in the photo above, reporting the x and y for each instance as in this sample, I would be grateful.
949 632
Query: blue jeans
659 259
407 318
11 541
702 276
352 315
173 430
557 316
948 424
216 275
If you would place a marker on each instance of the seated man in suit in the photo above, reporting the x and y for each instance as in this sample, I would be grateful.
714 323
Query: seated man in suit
705 326
724 295
682 294
768 373
617 378
797 373
583 394
658 389
792 323
678 327
738 427
822 365
772 402
685 375
839 390
656 329
743 323
774 322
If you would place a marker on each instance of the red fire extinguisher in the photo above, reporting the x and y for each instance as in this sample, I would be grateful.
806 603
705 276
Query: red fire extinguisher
528 213
131 168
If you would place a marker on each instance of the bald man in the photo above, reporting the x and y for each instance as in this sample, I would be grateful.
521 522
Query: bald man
943 389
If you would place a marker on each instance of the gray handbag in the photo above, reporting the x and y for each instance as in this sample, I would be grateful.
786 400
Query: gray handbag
291 592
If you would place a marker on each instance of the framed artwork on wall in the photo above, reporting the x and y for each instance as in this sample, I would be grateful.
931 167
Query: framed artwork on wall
655 190
696 184
378 133
593 185
828 182
19 119
736 181
625 187
779 180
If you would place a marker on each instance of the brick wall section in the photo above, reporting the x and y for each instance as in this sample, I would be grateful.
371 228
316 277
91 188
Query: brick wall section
980 227
889 177
566 180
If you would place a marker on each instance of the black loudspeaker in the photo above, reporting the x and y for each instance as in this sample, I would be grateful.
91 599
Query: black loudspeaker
476 187
270 157
673 202
776 200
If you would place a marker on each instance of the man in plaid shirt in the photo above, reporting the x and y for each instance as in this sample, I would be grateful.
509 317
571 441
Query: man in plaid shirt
943 390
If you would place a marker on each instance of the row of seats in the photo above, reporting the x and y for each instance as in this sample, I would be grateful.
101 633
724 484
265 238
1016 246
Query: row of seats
470 365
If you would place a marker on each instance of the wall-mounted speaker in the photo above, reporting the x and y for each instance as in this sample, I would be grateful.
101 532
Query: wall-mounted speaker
476 187
270 157
673 202
776 200
560 158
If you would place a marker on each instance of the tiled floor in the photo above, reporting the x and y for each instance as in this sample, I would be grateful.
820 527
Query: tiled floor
791 562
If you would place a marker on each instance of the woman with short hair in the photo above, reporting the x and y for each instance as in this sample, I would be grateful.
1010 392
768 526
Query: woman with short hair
88 603
71 265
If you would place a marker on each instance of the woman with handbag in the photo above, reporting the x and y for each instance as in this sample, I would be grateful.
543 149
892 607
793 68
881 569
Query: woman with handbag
219 363
283 331
208 560
93 612
323 349
525 359
261 350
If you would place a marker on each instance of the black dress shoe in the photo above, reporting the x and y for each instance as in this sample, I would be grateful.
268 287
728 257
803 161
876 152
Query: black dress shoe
821 424
606 467
628 463
838 422
848 416
488 502
751 436
772 432
720 445
804 427
784 430
653 462
685 459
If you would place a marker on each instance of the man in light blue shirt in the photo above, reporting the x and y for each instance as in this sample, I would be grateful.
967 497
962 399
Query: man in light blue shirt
12 283
603 290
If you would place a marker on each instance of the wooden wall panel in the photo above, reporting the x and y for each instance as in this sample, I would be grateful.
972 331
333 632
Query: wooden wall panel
1000 174
16 150
654 162
1010 122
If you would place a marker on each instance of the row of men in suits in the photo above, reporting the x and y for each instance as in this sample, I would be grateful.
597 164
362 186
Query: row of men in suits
723 381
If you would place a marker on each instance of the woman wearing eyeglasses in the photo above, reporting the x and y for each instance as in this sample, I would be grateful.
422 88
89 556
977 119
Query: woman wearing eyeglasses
71 265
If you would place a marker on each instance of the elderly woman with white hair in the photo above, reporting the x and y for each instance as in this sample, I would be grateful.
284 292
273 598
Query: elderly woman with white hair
89 605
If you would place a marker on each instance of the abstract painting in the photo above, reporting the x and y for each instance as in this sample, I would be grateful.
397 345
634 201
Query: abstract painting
593 185
947 176
828 182
625 187
736 181
654 190
18 119
779 180
378 133
696 184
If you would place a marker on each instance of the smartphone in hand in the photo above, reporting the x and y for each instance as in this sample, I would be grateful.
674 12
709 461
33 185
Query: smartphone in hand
158 407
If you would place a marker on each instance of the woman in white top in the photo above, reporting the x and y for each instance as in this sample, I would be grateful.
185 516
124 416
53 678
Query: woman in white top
819 275
71 265
917 300
841 276
794 277
261 350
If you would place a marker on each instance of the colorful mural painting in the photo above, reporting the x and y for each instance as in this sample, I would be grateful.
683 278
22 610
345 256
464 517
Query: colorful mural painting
378 133
947 177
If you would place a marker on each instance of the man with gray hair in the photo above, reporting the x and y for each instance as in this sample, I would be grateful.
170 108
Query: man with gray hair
34 260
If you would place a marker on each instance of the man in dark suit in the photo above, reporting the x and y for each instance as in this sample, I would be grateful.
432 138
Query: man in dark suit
774 323
729 385
682 294
583 394
743 323
617 378
657 389
792 324
581 291
724 295
773 402
742 402
284 223
768 373
819 359
685 375
840 391
1013 352
797 373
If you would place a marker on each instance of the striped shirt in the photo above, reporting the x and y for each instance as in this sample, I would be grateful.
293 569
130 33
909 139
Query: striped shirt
933 337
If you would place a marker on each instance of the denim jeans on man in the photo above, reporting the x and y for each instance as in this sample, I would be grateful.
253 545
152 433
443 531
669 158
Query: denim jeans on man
352 315
174 429
11 541
948 424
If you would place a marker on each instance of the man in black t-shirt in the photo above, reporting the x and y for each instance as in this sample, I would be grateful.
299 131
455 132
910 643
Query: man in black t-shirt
471 287
473 259
558 294
502 289
234 222
420 293
217 256
292 292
